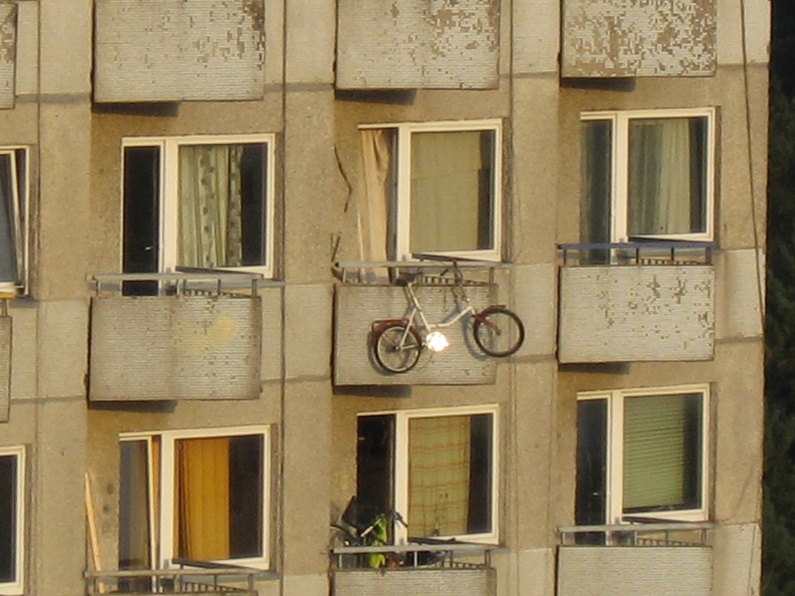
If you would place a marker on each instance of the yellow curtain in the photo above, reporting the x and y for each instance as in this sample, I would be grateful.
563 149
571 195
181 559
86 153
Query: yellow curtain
202 499
439 470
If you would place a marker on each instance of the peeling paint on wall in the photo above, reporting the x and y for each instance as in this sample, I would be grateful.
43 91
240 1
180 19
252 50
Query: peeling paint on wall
627 38
172 50
628 314
8 53
418 44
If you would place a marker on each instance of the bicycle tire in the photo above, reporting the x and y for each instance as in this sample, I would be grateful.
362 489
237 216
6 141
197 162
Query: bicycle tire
498 331
390 355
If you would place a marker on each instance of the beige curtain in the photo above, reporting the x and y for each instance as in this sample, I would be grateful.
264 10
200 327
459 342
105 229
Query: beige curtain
439 469
202 499
659 177
374 211
210 206
447 206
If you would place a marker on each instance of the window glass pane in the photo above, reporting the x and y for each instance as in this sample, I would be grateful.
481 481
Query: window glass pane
596 180
662 453
221 205
141 215
590 508
134 514
8 518
450 460
8 219
667 176
374 465
452 191
218 497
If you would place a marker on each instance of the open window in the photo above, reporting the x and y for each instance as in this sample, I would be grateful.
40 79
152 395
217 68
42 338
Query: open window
12 490
432 188
647 175
198 202
642 454
194 496
13 204
436 468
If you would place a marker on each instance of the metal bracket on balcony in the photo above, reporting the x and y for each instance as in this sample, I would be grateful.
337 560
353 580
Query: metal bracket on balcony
183 282
639 532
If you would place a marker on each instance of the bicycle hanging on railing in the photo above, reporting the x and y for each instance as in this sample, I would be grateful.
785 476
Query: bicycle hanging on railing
397 343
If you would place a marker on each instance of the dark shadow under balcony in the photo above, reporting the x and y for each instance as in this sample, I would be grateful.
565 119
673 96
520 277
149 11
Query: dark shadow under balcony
196 336
649 301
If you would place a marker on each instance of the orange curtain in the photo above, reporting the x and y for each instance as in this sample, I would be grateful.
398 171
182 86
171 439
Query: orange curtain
202 499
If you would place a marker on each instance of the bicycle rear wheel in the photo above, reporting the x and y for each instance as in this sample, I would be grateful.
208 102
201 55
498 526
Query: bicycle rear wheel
498 331
397 348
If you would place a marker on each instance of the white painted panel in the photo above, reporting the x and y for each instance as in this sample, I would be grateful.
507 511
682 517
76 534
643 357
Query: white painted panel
8 52
636 313
406 44
630 38
172 50
635 571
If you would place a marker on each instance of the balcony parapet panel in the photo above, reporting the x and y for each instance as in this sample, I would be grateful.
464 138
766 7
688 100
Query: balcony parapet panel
644 301
197 336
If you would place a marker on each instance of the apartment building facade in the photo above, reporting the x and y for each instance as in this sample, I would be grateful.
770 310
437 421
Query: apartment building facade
207 204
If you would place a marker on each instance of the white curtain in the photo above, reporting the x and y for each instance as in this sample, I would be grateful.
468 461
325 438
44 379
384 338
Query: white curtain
660 185
210 206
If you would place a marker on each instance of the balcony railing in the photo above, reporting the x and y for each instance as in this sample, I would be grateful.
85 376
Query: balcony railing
462 569
215 581
642 301
181 336
367 293
652 559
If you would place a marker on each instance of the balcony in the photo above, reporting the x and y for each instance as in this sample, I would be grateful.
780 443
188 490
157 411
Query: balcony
636 302
457 568
650 559
366 294
634 38
199 336
211 580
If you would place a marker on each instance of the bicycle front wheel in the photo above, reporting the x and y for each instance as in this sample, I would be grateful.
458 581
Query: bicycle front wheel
397 348
498 331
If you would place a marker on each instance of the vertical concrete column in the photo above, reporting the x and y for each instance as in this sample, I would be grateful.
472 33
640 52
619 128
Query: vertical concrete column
310 177
61 207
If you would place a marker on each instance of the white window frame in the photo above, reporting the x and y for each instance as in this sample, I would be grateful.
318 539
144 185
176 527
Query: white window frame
614 434
620 167
168 441
402 210
168 201
17 587
401 464
21 219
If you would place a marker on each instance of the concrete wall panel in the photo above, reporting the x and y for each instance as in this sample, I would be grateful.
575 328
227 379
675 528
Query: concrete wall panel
310 41
738 291
737 570
534 288
308 331
62 342
730 33
536 31
65 59
27 72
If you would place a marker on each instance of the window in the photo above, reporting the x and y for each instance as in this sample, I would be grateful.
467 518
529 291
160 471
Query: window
437 469
13 221
190 495
647 175
198 202
12 490
432 188
642 454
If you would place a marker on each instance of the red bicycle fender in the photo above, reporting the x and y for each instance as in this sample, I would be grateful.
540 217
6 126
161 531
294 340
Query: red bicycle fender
384 323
